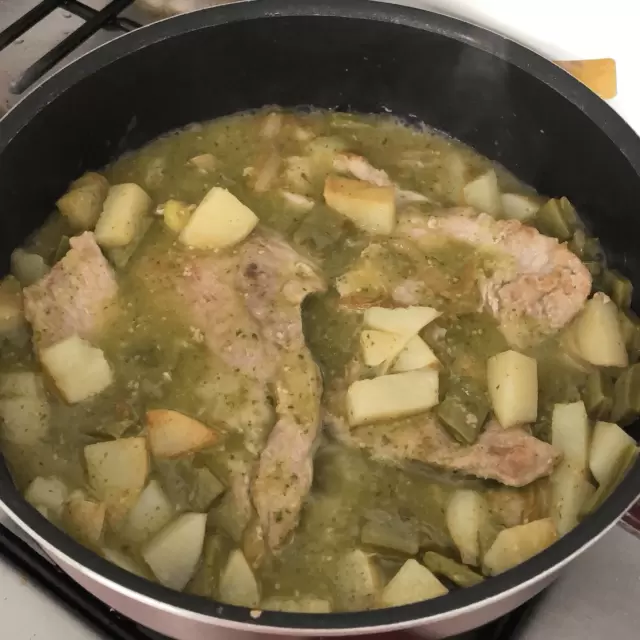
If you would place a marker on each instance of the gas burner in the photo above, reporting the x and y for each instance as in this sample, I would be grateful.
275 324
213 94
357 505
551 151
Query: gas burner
94 21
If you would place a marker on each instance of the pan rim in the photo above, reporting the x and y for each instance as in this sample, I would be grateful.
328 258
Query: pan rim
528 573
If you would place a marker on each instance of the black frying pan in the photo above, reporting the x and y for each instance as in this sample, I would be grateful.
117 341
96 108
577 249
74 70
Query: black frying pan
499 97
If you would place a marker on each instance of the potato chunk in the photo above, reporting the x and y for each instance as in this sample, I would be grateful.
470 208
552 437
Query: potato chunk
78 369
599 335
465 516
416 354
123 213
50 493
176 214
24 408
238 585
413 583
512 379
219 221
519 207
172 434
173 554
517 544
378 346
483 194
82 204
571 434
371 208
151 512
123 561
85 517
405 321
569 492
609 447
358 581
392 396
117 472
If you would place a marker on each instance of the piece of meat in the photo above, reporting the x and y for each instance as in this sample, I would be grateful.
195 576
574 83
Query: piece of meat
75 297
510 456
246 305
206 286
275 279
529 282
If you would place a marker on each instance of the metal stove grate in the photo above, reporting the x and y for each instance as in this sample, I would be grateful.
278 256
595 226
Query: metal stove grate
94 20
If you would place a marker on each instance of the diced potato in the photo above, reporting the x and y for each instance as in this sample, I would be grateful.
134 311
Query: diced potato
50 493
117 472
413 583
608 447
173 554
78 369
85 517
571 353
172 434
123 561
82 204
416 354
238 585
28 267
392 396
219 221
518 207
405 321
512 379
604 490
151 512
300 605
24 408
204 163
11 312
599 335
176 214
120 256
517 544
454 179
122 214
465 515
569 491
571 434
378 346
371 208
483 194
358 581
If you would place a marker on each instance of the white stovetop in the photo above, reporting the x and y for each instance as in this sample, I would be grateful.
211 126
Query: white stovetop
599 595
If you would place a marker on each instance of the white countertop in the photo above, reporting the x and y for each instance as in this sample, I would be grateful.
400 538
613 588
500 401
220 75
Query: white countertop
599 595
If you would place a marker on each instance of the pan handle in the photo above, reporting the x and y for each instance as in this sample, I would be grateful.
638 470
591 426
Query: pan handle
631 520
